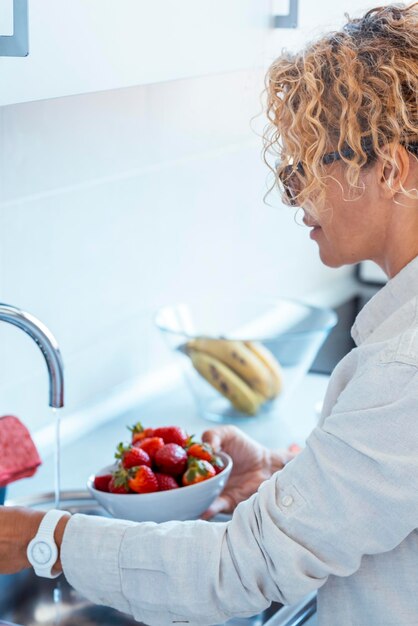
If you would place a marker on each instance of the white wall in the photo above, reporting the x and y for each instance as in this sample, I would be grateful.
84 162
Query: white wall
117 202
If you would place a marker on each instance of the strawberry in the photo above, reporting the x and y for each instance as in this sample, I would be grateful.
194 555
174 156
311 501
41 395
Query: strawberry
139 432
166 482
205 452
142 479
101 483
171 459
172 434
150 445
200 451
119 482
131 456
217 463
197 471
115 488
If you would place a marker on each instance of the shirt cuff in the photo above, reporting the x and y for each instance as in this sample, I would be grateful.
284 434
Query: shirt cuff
92 571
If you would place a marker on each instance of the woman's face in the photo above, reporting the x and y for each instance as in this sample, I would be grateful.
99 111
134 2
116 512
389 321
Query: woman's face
349 231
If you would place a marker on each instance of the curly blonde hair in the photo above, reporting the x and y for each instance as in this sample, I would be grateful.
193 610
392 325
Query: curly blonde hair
353 91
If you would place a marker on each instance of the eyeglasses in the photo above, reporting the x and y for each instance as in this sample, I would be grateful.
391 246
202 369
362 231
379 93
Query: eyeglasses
290 177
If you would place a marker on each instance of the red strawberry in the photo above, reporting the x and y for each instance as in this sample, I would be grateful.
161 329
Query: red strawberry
197 471
132 456
139 432
142 480
166 482
172 434
171 459
150 445
101 483
115 488
119 482
200 451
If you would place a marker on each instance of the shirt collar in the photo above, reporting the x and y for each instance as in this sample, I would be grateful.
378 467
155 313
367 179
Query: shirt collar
399 289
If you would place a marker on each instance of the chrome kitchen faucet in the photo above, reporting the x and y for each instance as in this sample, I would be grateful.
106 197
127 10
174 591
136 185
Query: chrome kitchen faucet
48 345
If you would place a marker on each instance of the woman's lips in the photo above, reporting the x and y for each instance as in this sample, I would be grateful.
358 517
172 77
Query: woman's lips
314 232
313 225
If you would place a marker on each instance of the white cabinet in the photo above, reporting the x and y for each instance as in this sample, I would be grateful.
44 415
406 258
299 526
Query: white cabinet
314 19
78 46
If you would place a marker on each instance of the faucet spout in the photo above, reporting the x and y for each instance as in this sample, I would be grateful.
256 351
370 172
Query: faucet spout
48 345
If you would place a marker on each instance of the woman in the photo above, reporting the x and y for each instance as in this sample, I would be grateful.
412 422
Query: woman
341 517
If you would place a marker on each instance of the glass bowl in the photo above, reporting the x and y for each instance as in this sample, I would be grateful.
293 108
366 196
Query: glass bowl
257 350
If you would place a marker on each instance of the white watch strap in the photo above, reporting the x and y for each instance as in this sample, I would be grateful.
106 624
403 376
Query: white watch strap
49 523
45 533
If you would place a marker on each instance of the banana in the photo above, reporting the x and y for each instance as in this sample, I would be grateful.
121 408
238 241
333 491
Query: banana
241 396
245 372
242 360
269 361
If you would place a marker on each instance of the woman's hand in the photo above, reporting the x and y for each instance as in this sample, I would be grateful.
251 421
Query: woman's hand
253 464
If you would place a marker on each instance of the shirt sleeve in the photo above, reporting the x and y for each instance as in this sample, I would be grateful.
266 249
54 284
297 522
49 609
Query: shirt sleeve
351 492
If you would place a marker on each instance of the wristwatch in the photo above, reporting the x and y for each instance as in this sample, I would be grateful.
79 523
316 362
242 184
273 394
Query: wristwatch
42 551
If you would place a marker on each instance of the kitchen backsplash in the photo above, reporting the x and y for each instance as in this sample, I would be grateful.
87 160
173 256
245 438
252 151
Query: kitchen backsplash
116 202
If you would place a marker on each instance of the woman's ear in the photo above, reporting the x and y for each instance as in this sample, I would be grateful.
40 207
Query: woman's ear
394 173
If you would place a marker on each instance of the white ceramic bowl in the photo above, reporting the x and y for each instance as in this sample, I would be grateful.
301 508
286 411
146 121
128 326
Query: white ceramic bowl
184 503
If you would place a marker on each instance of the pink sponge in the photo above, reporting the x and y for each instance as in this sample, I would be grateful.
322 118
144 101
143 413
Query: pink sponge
19 457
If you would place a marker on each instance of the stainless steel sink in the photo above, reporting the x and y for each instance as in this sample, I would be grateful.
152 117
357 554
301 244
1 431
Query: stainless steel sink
27 600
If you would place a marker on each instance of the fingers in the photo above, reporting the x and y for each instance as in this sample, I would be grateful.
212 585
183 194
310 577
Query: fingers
219 436
293 450
213 438
222 504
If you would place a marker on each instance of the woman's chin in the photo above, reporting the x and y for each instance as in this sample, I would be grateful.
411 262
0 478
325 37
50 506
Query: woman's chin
330 260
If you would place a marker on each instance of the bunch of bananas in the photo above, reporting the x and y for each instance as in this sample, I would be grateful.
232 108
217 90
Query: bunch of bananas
245 372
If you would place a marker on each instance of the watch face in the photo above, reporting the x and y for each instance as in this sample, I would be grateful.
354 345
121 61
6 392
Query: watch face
41 552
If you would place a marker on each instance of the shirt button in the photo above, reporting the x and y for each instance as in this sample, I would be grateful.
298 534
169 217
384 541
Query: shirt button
287 500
